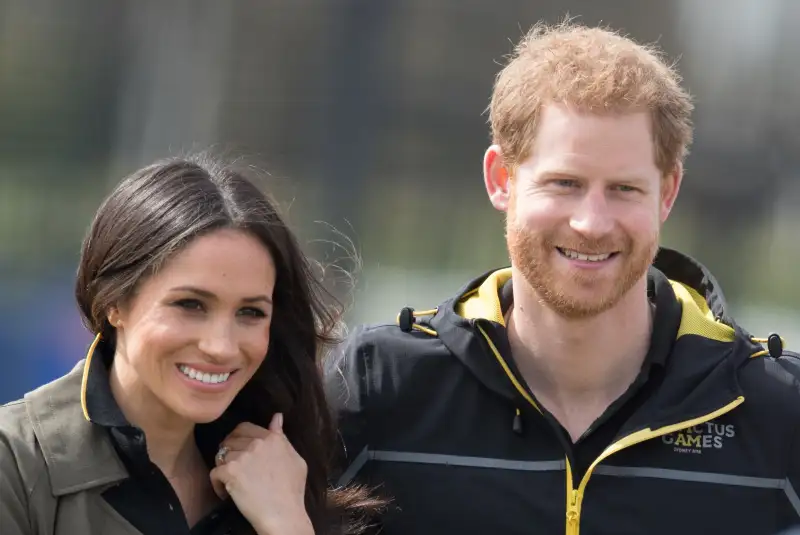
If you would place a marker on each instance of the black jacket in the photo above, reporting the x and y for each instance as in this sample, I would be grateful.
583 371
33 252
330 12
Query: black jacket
433 413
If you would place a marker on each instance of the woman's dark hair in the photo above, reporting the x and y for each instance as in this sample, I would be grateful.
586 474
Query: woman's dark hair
159 209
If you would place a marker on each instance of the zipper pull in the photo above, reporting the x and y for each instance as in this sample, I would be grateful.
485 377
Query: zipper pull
572 509
517 425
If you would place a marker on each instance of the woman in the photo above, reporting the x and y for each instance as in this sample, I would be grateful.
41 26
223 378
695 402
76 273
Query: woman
199 407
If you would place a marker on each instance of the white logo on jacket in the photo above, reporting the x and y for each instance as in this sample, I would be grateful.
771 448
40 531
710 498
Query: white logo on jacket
700 438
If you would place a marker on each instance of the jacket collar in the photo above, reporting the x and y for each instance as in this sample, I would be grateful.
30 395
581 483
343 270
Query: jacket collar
97 400
701 352
480 303
697 279
79 454
704 309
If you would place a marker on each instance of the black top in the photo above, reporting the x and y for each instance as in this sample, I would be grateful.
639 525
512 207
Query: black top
606 428
146 499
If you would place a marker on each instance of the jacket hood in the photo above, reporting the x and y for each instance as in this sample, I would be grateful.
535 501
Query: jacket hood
707 346
692 283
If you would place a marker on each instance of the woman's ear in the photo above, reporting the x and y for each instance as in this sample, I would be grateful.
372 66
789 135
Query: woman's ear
114 317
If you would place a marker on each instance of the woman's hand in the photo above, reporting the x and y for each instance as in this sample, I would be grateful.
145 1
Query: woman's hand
266 478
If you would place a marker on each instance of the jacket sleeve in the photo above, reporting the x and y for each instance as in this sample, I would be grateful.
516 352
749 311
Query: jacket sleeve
790 362
347 387
14 511
791 516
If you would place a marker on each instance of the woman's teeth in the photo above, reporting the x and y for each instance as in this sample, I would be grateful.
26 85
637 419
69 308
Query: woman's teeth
208 378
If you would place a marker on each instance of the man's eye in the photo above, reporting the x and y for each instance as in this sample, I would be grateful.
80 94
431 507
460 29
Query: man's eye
566 182
626 188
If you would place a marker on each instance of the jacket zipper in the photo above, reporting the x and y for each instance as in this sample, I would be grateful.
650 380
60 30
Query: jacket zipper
575 494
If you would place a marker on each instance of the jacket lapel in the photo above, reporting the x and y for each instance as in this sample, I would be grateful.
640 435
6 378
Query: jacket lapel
79 455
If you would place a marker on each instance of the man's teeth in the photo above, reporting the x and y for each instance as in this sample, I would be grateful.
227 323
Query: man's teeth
208 378
575 255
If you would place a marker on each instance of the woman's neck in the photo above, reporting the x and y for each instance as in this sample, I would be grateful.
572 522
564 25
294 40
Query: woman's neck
170 439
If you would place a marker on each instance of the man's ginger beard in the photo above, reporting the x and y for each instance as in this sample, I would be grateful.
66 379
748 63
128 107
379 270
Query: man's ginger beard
533 253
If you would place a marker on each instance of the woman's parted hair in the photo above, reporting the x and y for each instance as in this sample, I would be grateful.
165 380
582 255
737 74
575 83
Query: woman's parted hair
155 212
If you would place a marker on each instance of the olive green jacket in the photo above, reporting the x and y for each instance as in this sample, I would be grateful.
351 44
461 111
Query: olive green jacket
55 465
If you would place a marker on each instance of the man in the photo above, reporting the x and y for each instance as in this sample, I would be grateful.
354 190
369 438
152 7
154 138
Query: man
599 383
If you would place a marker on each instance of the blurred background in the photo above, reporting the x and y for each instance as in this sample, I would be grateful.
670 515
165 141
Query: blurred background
369 118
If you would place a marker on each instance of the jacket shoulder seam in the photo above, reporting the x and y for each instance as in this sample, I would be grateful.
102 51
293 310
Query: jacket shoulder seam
378 332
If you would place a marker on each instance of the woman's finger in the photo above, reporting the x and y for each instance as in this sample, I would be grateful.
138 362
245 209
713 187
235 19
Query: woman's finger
229 455
249 430
236 443
276 425
219 482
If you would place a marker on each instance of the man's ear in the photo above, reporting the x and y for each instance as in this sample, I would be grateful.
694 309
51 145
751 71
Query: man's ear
670 186
496 177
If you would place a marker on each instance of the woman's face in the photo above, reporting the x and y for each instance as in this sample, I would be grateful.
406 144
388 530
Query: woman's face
197 330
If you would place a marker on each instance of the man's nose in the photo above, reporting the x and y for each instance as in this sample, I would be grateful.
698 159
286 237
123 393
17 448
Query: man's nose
592 217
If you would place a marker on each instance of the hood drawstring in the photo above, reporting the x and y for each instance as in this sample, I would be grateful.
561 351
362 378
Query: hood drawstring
407 320
775 345
517 425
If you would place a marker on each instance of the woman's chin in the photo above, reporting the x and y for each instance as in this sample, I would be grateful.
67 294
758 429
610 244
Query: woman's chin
200 411
199 417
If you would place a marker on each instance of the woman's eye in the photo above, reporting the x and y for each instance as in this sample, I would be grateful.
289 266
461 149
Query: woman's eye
252 312
194 305
189 304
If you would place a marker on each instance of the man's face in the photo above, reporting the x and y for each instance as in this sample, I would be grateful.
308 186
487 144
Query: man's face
585 209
